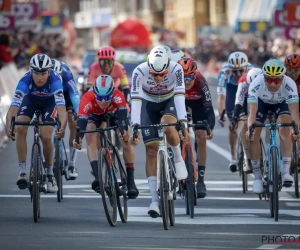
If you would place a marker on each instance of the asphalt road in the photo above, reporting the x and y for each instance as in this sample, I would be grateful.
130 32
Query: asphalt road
225 219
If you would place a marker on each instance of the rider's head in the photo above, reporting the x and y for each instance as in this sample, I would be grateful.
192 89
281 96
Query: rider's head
292 64
189 68
40 65
238 61
252 74
57 66
176 55
273 71
158 63
104 88
106 56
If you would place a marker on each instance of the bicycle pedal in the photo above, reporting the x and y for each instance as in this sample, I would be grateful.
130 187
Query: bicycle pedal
22 186
153 214
287 184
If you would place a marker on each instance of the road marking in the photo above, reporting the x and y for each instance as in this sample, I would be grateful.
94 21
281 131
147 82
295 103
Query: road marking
286 239
83 150
221 151
269 246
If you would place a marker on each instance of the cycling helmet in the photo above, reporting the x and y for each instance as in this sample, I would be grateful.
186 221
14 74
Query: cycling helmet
252 74
168 50
189 66
56 65
292 61
158 59
238 60
273 68
104 85
40 63
176 55
106 52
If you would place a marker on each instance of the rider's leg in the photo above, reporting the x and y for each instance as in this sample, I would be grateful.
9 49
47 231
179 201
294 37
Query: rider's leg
72 171
201 155
247 162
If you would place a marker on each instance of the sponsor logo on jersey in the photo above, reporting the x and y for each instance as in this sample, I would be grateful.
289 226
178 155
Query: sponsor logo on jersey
178 74
207 94
159 87
117 99
134 83
288 87
87 107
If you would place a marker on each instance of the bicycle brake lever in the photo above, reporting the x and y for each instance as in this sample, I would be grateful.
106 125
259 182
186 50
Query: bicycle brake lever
207 128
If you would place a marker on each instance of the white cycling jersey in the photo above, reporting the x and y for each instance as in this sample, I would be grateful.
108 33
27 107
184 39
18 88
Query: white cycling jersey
241 93
144 87
287 91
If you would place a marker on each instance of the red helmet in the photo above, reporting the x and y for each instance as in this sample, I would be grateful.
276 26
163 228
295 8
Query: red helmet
189 66
106 52
292 61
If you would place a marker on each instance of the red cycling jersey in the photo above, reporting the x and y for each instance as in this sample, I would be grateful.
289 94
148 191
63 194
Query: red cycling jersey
298 84
88 104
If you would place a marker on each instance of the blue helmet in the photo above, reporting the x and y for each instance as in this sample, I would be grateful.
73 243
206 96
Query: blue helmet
104 85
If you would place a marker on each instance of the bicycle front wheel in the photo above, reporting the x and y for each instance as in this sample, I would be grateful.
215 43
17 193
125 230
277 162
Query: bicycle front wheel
121 184
174 184
58 169
107 187
163 190
274 206
189 183
295 167
36 182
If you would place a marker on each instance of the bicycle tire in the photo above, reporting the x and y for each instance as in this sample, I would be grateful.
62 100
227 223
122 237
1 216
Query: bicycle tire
35 182
107 187
274 180
121 184
295 167
58 169
189 182
171 201
240 157
163 190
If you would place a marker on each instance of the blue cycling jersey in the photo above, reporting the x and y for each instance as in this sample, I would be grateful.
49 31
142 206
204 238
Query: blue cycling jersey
53 87
69 85
226 77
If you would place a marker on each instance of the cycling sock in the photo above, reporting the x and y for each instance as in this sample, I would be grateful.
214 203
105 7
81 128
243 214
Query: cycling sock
129 165
22 167
152 181
201 171
246 153
233 158
94 165
256 169
49 169
73 156
286 162
177 153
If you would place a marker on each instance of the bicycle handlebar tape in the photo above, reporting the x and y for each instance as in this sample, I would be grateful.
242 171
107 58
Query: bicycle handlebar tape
222 115
12 126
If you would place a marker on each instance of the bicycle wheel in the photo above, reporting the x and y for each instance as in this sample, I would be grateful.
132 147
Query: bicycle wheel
189 182
174 184
295 167
58 169
274 206
121 185
163 190
35 182
107 187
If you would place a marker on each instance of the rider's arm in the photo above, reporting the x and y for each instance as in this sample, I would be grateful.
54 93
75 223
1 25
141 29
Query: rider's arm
207 104
239 98
136 96
118 102
83 113
73 92
221 90
253 101
92 75
124 83
179 95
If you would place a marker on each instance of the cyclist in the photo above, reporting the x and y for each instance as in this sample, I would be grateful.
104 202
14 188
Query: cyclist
158 86
107 65
104 98
177 54
40 88
227 88
272 90
72 99
198 99
240 111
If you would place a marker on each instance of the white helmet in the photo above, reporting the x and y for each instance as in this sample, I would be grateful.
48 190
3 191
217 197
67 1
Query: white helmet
40 63
167 49
56 65
252 74
158 59
237 60
176 55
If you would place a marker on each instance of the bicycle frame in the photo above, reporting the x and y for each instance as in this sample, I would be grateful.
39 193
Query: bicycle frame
273 144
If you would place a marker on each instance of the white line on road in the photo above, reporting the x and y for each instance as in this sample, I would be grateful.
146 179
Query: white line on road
213 146
269 246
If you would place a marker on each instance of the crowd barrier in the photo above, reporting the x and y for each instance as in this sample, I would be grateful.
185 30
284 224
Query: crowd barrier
9 78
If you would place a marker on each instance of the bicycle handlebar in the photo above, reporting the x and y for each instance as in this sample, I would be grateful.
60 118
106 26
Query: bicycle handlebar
204 125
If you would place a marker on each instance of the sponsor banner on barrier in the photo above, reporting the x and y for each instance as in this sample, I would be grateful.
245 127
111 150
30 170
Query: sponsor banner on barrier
25 10
7 22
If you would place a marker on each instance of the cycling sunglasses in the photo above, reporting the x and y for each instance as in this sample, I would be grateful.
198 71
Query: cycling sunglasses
189 78
292 71
162 74
106 98
275 80
235 71
106 61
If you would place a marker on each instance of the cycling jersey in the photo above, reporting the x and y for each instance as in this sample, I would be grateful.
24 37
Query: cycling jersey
145 88
298 84
242 90
53 87
118 73
88 107
70 87
198 98
226 77
287 91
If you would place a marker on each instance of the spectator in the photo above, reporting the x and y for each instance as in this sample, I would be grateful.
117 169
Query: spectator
5 56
